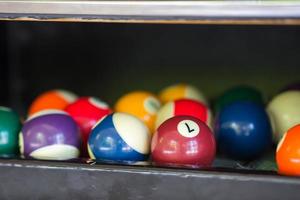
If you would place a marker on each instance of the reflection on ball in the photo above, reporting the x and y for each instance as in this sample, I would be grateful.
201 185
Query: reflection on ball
10 126
243 130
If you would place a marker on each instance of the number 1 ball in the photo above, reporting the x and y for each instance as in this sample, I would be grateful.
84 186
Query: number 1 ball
183 141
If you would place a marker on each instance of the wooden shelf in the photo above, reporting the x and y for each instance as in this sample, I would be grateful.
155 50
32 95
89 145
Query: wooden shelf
190 12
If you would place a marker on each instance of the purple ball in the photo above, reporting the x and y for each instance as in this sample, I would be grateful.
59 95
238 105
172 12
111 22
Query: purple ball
50 135
292 86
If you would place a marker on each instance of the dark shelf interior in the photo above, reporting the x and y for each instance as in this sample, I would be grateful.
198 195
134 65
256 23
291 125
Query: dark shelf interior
108 60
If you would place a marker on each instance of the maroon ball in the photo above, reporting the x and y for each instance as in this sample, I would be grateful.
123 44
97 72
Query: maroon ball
183 141
50 135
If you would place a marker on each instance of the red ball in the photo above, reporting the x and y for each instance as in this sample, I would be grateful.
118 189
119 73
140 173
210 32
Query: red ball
186 107
87 111
183 141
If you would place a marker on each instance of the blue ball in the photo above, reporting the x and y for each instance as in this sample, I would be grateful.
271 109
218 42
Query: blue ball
243 130
119 137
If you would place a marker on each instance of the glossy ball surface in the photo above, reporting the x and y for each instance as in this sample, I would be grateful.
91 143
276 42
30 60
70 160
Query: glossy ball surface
240 93
288 152
243 130
10 126
119 137
87 111
50 135
141 104
184 107
181 91
183 140
284 112
54 99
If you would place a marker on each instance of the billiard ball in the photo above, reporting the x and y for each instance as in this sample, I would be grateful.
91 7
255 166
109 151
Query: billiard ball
184 107
292 86
181 91
10 126
141 104
53 99
86 111
243 130
284 112
239 93
119 137
183 141
50 135
288 152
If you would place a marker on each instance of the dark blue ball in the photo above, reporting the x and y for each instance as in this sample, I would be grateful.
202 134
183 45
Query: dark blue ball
243 130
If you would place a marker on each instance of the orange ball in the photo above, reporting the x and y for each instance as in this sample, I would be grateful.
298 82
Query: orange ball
54 99
141 104
288 152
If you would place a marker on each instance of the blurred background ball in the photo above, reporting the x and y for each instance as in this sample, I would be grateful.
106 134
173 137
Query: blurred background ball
239 93
53 99
181 91
184 107
87 111
243 130
291 86
10 126
284 112
144 105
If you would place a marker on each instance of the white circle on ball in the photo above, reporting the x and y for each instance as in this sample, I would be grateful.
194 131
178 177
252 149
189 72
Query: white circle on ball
188 128
151 105
98 103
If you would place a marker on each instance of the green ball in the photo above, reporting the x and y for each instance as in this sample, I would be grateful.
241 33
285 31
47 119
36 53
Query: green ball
10 126
240 93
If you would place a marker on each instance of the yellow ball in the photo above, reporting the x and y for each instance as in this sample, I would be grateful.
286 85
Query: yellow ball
141 104
181 91
284 112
